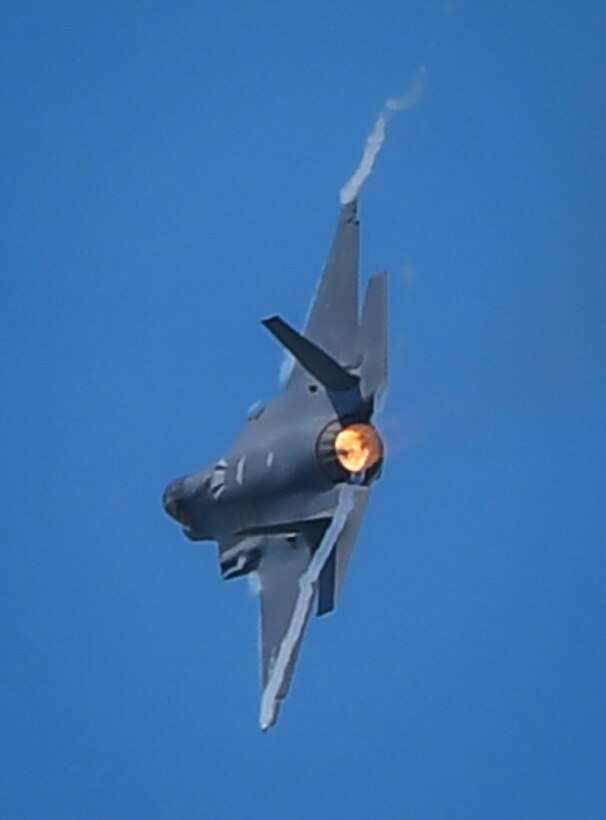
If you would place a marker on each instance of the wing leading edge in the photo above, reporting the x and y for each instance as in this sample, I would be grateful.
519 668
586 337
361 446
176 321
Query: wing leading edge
337 340
333 319
332 322
288 578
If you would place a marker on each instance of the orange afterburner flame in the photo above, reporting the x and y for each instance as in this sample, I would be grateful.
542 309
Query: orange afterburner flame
358 447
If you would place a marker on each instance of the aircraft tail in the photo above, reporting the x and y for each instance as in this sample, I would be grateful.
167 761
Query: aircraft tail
337 344
311 357
373 336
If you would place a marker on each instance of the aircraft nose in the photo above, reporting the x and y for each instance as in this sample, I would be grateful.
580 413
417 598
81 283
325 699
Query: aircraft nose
172 498
184 501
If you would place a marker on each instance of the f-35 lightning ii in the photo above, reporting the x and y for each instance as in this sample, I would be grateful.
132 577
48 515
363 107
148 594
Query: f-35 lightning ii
287 501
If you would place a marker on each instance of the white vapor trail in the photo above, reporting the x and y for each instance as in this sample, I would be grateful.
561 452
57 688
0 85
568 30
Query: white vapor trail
307 588
376 138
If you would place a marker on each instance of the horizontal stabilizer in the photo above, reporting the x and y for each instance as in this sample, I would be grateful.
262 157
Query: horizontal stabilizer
318 363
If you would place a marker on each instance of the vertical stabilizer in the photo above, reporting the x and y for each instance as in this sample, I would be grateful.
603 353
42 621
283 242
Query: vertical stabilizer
373 336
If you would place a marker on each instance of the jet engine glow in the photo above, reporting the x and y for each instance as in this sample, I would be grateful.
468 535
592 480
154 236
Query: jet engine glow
358 447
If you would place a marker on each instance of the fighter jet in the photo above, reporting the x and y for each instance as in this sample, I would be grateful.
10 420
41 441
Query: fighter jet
286 502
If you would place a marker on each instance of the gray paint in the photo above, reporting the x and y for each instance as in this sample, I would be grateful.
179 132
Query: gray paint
278 504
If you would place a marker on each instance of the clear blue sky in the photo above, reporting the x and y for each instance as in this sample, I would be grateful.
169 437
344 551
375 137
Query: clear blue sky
170 175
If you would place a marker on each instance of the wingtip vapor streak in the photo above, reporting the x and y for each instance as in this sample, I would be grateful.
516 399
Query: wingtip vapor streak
287 501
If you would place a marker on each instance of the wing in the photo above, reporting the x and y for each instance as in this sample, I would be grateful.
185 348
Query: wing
335 339
283 564
332 322
288 576
333 319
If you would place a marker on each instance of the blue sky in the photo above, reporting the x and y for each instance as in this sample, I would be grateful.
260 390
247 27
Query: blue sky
170 175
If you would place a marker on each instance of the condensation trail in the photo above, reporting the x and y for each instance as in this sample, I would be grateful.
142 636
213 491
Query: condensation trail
376 138
307 588
352 188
